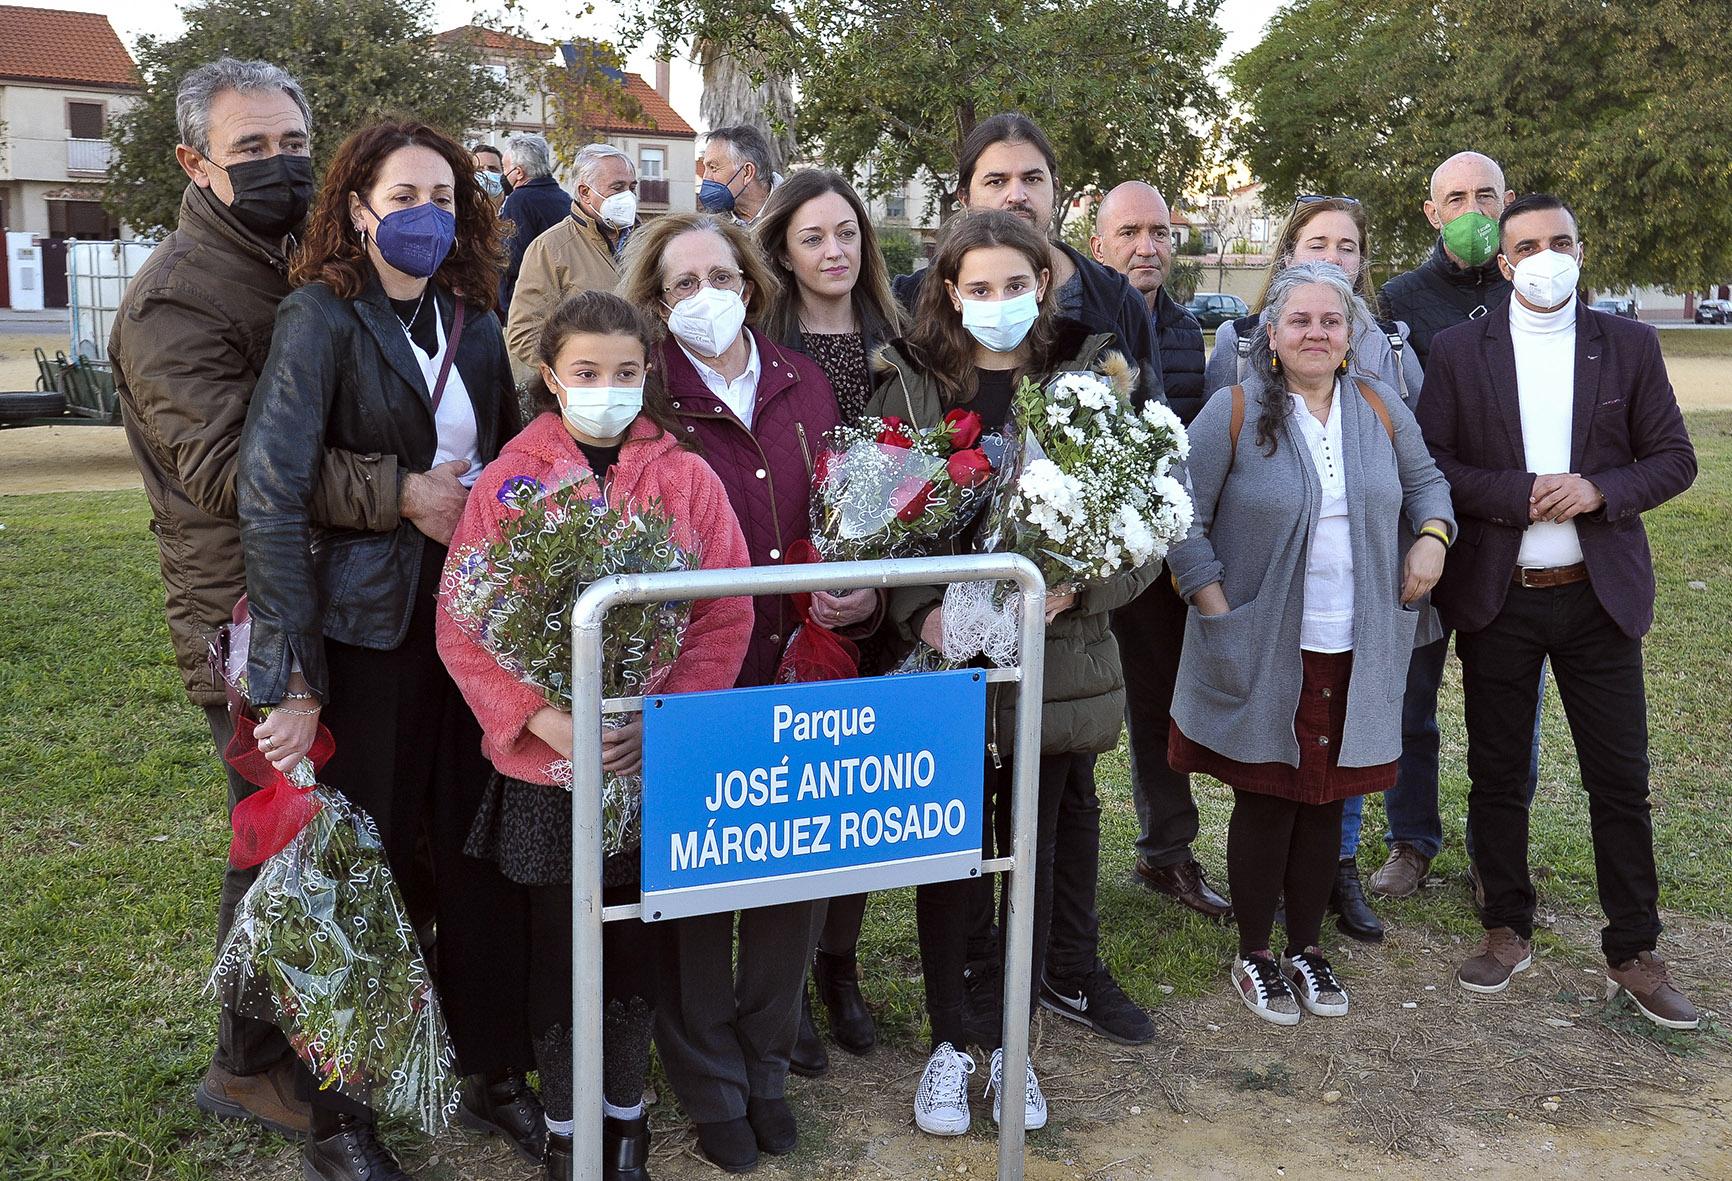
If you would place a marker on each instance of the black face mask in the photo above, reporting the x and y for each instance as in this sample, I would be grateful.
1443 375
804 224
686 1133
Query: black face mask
271 195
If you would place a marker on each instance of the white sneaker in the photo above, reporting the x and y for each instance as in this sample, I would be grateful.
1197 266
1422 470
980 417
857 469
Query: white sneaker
941 1103
1034 1106
1259 983
1314 983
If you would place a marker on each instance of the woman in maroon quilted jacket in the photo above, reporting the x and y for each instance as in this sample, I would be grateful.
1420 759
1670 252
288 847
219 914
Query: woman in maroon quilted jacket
758 413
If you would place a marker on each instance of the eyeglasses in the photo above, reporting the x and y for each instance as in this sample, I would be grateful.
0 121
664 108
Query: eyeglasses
687 286
1313 198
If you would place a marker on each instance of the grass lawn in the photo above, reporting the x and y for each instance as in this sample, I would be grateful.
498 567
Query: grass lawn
1712 341
112 834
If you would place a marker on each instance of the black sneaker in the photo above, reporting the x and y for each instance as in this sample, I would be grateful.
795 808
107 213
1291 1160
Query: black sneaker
1097 1001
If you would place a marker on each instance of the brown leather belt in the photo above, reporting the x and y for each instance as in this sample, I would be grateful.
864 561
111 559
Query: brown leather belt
1539 577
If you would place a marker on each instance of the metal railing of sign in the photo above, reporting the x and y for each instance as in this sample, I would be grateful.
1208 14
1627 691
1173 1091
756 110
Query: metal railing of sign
588 913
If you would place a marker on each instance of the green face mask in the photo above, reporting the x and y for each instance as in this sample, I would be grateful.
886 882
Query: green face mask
1472 238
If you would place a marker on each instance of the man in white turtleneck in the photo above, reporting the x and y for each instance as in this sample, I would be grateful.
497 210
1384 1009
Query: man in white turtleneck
1557 428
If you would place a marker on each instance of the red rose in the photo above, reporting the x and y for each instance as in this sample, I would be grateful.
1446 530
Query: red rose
893 435
965 428
969 469
914 494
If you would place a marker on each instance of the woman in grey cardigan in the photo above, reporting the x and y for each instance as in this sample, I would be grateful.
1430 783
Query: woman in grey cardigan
1295 659
1332 229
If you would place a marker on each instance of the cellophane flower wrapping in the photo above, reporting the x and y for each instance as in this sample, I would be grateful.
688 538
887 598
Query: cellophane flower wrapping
1094 495
322 948
887 489
1091 494
514 596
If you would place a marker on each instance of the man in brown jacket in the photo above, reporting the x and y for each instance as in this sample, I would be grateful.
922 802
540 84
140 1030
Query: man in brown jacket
581 253
190 338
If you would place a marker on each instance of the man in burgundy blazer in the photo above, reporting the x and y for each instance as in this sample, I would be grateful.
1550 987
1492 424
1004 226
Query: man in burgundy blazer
1557 428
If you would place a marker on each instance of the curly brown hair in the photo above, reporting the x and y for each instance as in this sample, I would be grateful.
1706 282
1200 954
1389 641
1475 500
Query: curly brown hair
604 314
938 343
333 254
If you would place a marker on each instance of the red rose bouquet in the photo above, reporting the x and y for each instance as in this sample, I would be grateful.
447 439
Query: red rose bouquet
887 489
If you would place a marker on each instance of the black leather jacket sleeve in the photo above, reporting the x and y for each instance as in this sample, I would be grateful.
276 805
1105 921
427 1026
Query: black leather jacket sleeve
282 453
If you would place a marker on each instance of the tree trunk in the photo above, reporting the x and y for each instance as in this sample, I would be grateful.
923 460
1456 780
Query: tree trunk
731 97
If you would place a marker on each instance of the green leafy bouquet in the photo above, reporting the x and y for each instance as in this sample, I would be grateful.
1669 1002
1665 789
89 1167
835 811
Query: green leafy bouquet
321 945
514 596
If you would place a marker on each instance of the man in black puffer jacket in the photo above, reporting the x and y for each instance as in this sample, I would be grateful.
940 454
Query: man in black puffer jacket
1134 236
1460 281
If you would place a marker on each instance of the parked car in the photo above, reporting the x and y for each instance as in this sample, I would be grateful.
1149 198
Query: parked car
1714 311
1213 310
1616 307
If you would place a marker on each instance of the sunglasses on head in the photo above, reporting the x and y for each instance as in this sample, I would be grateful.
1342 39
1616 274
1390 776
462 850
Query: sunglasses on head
1313 198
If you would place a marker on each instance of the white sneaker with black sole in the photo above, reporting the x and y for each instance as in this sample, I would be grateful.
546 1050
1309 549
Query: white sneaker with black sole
1313 982
1258 981
941 1102
1034 1104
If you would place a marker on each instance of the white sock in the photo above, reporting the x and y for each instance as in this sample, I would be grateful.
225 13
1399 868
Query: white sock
631 1112
559 1127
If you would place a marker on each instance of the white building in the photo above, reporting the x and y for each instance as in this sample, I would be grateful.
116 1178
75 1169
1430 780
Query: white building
663 145
63 75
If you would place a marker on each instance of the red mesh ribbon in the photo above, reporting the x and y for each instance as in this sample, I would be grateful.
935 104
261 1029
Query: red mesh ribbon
266 821
814 653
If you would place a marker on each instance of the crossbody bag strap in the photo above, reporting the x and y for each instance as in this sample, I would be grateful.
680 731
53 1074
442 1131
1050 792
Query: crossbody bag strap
1377 407
450 355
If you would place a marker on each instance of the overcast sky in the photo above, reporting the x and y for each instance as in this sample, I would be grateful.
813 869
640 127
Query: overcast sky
1243 21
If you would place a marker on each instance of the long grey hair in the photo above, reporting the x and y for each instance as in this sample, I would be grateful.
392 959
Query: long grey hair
1276 406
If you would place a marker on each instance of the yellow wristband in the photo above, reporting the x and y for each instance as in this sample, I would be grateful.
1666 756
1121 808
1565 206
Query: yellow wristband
1434 531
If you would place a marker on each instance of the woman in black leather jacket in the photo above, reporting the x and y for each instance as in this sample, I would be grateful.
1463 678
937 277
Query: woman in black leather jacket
389 344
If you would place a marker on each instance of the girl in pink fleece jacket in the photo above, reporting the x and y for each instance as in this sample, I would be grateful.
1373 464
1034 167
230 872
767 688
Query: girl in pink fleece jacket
606 421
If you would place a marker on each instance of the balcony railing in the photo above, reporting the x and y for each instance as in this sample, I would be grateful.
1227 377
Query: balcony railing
653 192
88 155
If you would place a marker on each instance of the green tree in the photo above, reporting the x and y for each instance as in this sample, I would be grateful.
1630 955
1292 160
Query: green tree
1621 109
356 60
1121 86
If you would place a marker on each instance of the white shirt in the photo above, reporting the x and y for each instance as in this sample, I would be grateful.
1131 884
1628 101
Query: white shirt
1545 357
1327 624
454 421
739 395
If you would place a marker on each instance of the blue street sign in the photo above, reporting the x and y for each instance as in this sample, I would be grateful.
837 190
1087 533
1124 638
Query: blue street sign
790 792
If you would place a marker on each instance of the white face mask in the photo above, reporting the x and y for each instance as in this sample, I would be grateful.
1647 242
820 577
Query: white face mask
709 322
601 411
619 210
1546 278
1000 324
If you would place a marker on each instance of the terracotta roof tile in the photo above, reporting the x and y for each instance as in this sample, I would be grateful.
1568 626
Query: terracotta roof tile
68 48
658 116
492 41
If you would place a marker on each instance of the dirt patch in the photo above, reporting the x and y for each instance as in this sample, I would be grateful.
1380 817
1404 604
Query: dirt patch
65 459
1701 383
18 359
1546 1081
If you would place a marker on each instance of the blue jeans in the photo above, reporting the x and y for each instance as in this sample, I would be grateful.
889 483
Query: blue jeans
1411 805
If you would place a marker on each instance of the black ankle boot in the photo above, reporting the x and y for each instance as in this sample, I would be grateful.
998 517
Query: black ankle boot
1353 914
625 1145
506 1107
809 1058
838 980
556 1159
349 1151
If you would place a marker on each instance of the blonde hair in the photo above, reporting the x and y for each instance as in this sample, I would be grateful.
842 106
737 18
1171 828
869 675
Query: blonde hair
1288 239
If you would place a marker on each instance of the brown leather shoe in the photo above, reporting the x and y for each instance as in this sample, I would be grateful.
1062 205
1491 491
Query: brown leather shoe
1401 873
1646 980
1500 955
1186 885
267 1099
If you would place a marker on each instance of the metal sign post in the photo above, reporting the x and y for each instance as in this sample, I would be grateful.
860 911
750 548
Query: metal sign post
586 857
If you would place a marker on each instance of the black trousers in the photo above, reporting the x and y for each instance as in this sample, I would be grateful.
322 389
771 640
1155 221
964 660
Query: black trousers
408 752
1279 847
1151 631
245 1045
725 1029
1598 670
955 919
